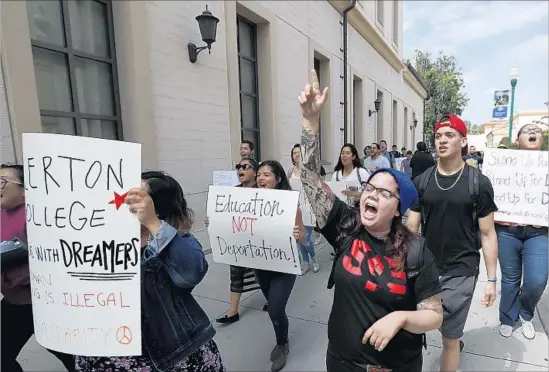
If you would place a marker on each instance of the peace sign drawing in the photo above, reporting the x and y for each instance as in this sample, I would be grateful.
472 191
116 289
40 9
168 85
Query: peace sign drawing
124 335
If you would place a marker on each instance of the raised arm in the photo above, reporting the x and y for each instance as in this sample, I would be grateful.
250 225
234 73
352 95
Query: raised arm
319 194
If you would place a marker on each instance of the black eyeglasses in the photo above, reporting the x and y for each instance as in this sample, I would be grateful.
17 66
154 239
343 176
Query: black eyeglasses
4 181
386 194
530 131
243 166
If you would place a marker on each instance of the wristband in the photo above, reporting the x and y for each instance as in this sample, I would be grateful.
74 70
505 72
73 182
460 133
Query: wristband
493 280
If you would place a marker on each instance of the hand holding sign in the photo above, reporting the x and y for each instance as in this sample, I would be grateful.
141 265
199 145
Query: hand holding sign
141 204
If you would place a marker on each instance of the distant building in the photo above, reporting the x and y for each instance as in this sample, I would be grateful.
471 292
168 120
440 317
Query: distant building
497 130
121 70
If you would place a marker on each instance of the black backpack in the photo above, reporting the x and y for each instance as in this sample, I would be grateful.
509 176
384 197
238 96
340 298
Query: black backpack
474 194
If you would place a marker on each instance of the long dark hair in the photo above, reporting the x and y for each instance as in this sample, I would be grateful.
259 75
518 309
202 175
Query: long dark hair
298 146
168 198
399 238
282 182
356 159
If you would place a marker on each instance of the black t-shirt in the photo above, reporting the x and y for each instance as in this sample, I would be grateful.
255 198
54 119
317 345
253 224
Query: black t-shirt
449 230
366 290
420 162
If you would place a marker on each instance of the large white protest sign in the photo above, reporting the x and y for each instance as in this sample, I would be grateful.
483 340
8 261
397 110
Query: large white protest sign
253 228
84 244
520 183
309 218
225 178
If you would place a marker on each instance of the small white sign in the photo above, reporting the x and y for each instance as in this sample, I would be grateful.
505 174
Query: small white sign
338 188
309 218
225 178
84 244
398 162
253 228
520 181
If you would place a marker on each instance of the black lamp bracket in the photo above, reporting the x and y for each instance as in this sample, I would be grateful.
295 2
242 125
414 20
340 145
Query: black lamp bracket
194 50
370 112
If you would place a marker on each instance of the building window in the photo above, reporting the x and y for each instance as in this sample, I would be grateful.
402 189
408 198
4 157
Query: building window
249 93
75 67
357 111
379 10
396 22
395 123
406 144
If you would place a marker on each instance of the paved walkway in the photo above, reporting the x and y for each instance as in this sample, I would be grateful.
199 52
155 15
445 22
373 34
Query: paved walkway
246 345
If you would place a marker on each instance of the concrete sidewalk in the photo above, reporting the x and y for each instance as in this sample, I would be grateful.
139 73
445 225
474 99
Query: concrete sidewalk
246 345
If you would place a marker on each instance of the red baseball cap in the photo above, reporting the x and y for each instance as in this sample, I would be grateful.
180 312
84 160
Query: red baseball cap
453 122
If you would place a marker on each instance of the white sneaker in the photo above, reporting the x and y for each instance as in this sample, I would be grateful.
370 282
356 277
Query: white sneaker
505 330
528 330
318 239
315 264
304 269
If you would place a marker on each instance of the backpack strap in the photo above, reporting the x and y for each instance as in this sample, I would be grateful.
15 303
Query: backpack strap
414 262
358 176
474 194
337 253
424 179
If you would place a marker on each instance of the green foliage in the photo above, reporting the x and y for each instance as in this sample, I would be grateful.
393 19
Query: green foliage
444 81
474 129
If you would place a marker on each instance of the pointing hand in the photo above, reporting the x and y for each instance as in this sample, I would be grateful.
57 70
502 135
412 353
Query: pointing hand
312 100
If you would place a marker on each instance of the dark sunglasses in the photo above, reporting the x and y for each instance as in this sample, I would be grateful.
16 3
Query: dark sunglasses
243 166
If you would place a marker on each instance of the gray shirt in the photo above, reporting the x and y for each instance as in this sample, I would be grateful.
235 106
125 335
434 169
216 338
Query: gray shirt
377 163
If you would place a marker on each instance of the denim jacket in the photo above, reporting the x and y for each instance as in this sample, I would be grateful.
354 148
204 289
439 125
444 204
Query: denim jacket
173 323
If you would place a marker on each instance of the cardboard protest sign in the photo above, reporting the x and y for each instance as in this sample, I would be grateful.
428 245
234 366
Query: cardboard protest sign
84 244
520 181
398 162
253 228
338 188
225 178
309 218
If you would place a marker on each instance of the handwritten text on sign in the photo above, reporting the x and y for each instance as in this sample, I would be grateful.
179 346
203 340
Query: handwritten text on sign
520 181
253 228
225 178
309 218
84 244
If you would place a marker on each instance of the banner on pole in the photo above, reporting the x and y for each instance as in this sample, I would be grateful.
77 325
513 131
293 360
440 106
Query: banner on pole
84 244
501 105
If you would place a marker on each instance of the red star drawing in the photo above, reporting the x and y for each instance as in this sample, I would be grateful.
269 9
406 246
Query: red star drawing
118 200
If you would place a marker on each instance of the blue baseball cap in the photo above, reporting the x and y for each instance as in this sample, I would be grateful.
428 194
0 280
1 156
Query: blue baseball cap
406 188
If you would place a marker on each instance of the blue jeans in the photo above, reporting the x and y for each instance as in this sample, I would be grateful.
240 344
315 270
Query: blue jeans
522 256
307 249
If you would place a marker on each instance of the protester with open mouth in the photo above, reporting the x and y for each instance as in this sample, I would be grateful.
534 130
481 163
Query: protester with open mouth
276 286
242 278
386 283
349 169
523 256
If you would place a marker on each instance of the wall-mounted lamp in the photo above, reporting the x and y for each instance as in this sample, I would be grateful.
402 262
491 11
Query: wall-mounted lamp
415 123
208 29
377 105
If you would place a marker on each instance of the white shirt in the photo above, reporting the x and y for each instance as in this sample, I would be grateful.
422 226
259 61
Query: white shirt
353 177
